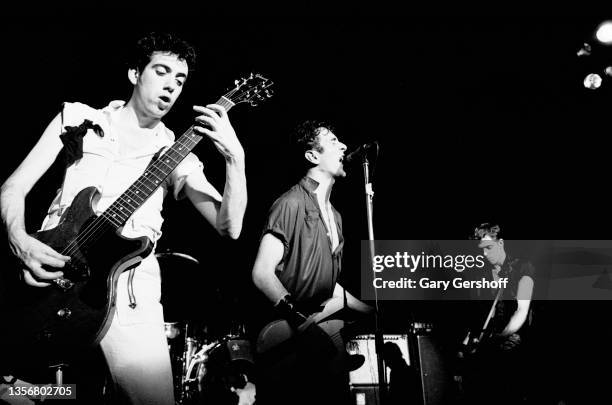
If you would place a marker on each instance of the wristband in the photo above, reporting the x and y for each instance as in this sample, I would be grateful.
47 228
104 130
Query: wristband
286 309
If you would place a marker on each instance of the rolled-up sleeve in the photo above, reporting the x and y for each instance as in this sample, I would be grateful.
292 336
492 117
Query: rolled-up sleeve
193 169
282 221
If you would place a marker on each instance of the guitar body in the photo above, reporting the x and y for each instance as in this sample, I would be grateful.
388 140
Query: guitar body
279 331
472 344
53 324
286 354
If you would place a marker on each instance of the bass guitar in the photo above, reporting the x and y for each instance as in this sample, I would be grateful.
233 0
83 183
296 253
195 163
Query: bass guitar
53 324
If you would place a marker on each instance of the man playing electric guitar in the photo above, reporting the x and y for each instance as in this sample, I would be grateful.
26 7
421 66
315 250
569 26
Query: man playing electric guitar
297 268
109 149
475 338
496 356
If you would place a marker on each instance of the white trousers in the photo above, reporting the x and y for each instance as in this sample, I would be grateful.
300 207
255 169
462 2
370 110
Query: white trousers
135 346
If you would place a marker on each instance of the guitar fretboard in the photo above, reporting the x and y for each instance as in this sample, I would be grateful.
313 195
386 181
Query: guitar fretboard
117 214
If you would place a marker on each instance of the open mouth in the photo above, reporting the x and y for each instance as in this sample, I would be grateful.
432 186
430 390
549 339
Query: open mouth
165 99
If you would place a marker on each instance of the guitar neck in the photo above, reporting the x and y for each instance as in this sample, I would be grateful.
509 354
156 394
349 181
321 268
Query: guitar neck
123 207
500 291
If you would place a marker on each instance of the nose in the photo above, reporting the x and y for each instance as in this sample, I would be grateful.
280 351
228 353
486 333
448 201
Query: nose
342 147
170 86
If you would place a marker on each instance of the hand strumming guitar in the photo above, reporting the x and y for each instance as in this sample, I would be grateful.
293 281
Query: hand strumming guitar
286 309
35 254
313 341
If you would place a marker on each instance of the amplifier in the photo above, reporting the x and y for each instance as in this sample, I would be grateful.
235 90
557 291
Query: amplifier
436 377
365 345
429 380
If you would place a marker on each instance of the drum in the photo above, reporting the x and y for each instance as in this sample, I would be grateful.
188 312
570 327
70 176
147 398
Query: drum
185 341
211 360
172 330
228 373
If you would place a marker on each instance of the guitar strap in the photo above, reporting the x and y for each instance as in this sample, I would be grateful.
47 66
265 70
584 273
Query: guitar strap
156 156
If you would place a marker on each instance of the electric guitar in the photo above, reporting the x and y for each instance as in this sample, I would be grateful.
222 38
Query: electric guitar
279 331
54 323
474 341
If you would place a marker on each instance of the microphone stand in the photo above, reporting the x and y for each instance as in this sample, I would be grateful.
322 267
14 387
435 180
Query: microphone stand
378 335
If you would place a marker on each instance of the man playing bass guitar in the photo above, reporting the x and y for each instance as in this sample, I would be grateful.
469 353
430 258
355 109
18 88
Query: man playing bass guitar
109 149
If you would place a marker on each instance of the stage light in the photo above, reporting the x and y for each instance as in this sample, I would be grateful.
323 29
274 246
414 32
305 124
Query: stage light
592 81
585 50
604 33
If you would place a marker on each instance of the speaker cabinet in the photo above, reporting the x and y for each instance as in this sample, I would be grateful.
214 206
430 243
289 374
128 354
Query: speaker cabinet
365 345
424 375
434 370
364 380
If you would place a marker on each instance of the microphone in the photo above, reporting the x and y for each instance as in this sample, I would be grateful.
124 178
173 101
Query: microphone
360 151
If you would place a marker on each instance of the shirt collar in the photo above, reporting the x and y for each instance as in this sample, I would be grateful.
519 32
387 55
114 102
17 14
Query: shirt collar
159 129
309 184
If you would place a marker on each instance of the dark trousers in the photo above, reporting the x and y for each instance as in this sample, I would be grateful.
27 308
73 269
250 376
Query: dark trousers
306 370
497 374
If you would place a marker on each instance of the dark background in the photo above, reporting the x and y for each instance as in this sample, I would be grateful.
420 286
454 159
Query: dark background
479 117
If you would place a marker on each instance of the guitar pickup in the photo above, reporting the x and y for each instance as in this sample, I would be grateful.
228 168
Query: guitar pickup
76 270
63 283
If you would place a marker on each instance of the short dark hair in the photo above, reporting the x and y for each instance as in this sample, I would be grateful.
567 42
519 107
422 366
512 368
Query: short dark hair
487 229
164 42
305 134
305 137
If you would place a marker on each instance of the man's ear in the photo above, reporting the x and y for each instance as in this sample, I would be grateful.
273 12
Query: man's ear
133 76
312 157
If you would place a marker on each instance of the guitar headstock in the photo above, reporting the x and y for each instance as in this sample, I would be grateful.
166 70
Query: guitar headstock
252 89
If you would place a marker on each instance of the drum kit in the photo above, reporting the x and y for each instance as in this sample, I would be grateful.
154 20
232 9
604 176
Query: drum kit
210 364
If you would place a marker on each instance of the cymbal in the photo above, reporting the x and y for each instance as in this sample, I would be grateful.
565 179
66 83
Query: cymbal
188 292
176 255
